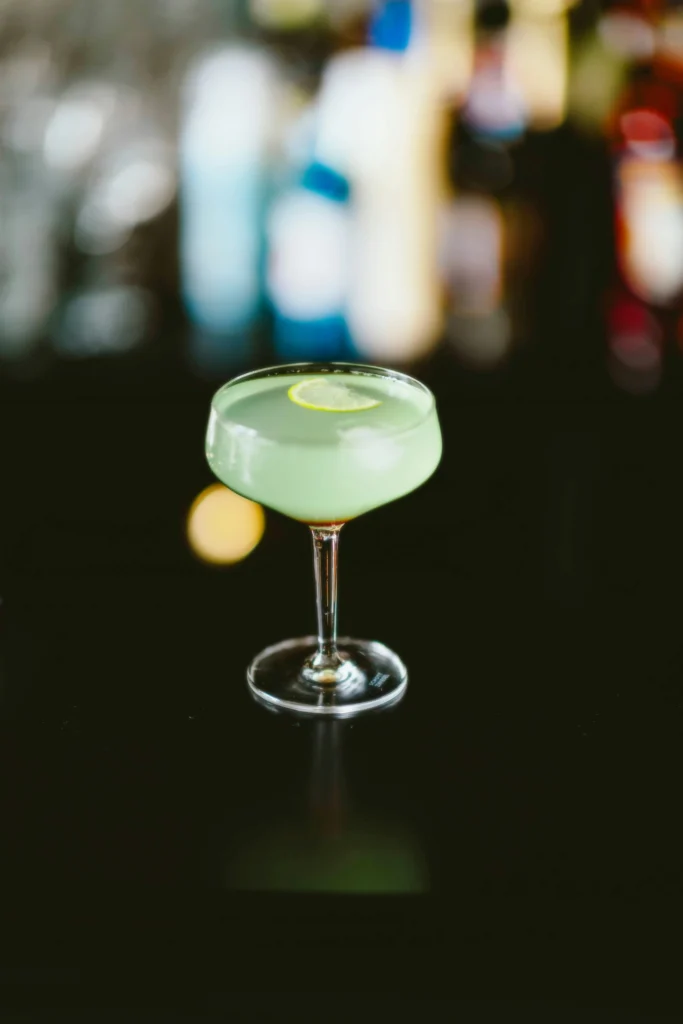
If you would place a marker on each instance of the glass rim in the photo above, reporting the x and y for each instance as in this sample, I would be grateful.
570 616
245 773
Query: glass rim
283 369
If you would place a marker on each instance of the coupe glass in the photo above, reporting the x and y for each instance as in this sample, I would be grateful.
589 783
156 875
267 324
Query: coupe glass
372 437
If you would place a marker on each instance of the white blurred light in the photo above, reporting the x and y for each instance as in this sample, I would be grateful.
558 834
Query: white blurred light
135 188
360 116
108 320
651 200
309 254
77 126
140 190
229 99
222 527
376 111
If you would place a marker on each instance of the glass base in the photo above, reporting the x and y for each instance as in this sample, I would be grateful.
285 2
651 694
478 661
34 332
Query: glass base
372 677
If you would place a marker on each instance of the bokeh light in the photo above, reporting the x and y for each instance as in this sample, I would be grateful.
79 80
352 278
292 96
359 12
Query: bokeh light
77 126
651 212
136 186
108 320
222 527
309 245
281 169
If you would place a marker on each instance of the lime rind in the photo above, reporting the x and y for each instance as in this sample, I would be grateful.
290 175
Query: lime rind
322 395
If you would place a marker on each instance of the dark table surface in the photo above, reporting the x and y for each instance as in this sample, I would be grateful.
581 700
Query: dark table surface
510 831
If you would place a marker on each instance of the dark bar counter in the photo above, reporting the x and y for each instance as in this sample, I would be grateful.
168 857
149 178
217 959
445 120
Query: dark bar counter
508 830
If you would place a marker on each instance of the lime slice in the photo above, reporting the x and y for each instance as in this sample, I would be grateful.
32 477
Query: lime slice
325 395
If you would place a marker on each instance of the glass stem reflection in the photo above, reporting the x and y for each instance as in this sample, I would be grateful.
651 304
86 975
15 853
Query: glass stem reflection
326 663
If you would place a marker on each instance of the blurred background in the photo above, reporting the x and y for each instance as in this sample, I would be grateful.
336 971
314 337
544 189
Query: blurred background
231 183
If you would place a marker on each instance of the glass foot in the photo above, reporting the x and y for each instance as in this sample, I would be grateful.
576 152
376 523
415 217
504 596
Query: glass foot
372 676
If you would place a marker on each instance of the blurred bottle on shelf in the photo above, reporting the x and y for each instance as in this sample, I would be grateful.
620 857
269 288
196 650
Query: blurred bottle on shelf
537 59
488 234
521 68
645 138
495 106
225 154
473 224
448 35
649 208
472 260
380 130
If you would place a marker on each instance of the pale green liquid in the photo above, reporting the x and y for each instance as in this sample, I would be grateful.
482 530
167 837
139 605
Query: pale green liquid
322 467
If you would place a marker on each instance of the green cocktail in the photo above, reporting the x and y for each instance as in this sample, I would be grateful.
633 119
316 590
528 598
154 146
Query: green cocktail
323 466
324 444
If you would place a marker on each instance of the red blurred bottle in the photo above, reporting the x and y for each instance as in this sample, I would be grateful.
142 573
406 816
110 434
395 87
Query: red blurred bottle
645 135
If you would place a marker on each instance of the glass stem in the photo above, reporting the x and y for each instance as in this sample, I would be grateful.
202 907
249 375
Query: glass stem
326 661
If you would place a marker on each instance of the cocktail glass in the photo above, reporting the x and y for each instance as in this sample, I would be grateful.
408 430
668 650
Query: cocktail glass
324 443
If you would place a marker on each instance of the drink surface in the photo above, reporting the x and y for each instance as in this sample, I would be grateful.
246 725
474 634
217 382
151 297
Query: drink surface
323 466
